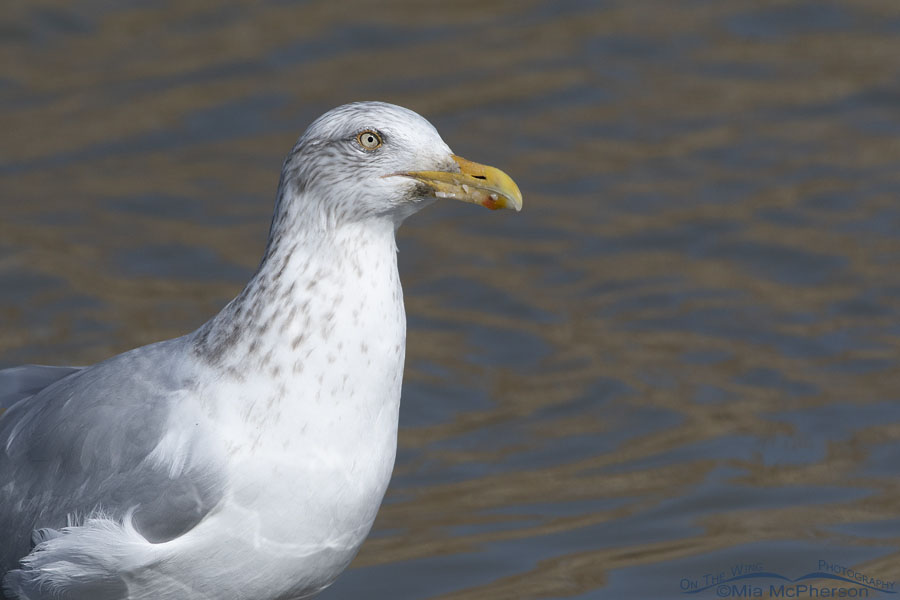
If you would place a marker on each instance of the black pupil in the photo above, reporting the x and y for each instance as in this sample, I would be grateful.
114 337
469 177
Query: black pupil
370 139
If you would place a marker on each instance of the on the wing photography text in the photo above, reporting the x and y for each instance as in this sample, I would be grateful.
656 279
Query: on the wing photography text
755 580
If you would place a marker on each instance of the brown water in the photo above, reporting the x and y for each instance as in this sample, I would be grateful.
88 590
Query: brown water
683 355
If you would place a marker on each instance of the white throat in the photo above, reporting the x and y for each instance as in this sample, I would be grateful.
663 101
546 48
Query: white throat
319 330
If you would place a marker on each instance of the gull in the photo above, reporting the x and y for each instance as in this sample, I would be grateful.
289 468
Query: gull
247 459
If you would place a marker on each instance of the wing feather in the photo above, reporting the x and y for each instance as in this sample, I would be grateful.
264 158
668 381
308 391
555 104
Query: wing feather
21 382
78 442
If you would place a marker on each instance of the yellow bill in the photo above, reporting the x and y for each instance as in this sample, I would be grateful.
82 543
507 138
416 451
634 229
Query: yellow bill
475 183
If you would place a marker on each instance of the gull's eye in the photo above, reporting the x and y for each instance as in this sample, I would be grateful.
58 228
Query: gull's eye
368 139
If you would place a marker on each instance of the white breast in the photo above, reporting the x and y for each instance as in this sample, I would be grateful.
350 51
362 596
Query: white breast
309 428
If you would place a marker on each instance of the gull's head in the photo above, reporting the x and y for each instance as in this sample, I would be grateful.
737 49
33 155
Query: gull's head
372 159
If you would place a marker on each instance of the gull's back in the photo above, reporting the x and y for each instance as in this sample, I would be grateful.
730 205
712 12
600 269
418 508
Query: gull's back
18 383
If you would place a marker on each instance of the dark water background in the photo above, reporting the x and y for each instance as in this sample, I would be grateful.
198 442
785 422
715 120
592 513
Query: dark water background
684 354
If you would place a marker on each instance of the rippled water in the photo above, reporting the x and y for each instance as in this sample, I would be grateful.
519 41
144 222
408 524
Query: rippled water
683 355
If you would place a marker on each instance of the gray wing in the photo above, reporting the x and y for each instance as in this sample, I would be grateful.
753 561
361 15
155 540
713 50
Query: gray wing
27 380
84 442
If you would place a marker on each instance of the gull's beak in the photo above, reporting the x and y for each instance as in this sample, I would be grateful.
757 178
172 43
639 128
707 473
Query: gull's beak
475 183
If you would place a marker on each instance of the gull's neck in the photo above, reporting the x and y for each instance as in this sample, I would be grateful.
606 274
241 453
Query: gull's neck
312 273
304 374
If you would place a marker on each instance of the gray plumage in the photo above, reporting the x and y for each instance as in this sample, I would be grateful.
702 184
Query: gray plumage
83 446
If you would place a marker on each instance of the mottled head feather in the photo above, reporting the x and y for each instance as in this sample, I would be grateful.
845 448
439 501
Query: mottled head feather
329 178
